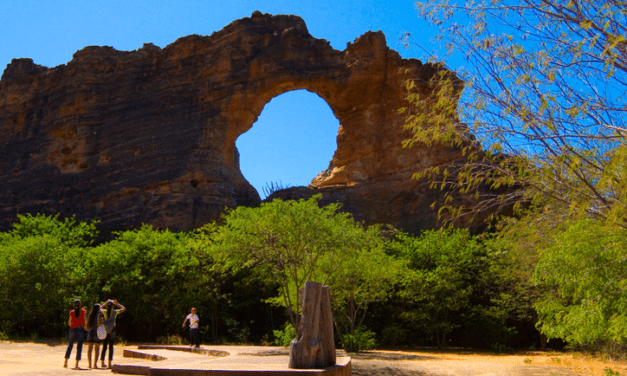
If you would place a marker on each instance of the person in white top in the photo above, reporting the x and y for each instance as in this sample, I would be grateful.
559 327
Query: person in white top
193 328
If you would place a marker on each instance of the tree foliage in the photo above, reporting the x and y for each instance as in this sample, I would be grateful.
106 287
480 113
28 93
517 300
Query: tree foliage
147 268
41 269
448 284
587 266
543 116
46 262
369 276
545 85
291 242
447 270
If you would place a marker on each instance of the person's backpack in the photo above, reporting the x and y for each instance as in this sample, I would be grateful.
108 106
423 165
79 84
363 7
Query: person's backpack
101 331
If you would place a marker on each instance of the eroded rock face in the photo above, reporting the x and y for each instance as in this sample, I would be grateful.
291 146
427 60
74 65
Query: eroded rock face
148 136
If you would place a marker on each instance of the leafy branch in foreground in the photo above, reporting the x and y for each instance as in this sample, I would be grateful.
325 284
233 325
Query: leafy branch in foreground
544 92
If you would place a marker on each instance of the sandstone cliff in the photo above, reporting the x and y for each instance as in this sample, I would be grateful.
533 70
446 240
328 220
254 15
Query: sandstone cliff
148 136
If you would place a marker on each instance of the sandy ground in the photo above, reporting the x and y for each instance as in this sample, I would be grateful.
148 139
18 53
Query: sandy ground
41 359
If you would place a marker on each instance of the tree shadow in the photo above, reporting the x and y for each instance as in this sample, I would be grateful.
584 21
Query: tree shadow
272 352
387 356
357 370
362 355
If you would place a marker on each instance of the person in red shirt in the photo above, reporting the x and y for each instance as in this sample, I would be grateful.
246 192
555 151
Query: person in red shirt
76 321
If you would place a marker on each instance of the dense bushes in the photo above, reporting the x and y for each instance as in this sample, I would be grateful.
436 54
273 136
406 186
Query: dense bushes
444 288
158 275
41 271
586 266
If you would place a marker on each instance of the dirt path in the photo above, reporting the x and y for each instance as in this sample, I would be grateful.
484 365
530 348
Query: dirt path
432 363
40 359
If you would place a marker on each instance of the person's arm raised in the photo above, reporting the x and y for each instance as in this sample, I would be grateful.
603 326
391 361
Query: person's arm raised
122 309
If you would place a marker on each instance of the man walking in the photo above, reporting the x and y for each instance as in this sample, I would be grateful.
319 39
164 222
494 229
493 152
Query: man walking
193 327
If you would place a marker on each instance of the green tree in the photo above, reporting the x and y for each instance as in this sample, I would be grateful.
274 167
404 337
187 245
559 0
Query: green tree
544 93
460 290
586 264
69 231
230 296
439 284
369 276
289 242
514 253
41 271
147 270
210 277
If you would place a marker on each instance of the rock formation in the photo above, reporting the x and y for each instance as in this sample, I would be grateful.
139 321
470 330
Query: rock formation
148 136
314 346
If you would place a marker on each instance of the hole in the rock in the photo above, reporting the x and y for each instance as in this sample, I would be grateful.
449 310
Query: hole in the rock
290 144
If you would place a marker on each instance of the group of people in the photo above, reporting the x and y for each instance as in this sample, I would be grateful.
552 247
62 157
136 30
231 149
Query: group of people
101 319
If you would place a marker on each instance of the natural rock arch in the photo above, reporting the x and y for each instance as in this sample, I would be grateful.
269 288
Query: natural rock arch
293 139
148 136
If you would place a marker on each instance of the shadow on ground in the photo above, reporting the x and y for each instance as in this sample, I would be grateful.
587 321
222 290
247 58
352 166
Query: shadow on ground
386 371
387 356
267 353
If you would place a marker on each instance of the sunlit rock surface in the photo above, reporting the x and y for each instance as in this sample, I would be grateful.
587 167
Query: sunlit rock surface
148 136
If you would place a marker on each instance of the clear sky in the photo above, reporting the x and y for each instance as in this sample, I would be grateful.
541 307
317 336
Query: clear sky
294 138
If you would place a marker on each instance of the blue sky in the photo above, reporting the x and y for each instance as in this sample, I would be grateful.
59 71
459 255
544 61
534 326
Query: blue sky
294 138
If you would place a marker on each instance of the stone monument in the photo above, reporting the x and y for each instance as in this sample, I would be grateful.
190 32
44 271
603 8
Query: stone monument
314 346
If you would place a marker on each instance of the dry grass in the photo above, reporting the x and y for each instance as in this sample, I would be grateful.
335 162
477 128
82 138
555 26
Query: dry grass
46 359
433 362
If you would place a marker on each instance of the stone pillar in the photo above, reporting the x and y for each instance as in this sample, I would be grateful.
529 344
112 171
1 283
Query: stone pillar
314 346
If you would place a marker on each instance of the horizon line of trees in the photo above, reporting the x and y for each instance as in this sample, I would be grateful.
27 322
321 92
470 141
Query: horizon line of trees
243 276
389 289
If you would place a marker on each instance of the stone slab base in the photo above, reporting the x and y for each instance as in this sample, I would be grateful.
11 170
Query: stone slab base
238 366
194 350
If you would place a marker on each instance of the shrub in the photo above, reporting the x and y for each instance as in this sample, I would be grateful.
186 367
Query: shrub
286 336
361 339
174 339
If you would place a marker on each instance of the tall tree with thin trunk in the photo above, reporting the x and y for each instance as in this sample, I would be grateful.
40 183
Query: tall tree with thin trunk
290 242
545 85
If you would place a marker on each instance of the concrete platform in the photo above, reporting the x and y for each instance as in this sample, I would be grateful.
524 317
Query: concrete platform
219 360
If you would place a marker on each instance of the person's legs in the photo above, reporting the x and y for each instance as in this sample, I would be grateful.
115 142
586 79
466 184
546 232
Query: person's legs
104 350
194 334
71 337
108 342
80 335
96 356
111 340
90 347
110 352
